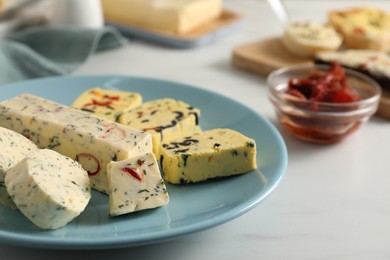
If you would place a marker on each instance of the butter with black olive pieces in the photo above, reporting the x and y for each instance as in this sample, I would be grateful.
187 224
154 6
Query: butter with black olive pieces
211 154
165 119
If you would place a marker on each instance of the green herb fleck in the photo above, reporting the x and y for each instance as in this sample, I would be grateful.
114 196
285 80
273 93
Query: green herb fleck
54 142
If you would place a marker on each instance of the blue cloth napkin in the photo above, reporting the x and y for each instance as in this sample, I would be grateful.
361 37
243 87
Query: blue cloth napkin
49 51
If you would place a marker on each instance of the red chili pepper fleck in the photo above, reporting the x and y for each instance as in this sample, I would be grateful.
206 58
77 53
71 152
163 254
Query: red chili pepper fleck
358 30
89 157
99 103
140 114
133 173
110 133
112 97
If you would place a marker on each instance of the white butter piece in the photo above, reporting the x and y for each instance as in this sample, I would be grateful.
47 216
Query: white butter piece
135 184
79 135
13 148
48 188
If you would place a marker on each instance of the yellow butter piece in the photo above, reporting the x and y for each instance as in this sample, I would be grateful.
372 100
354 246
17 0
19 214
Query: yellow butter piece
211 154
165 119
106 103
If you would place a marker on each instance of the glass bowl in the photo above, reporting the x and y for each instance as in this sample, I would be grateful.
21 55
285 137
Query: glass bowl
321 122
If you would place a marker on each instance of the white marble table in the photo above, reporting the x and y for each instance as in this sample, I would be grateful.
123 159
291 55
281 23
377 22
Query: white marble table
334 201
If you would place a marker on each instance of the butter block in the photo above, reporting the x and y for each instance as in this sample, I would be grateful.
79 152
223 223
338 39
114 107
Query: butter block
211 154
48 188
165 119
14 148
135 184
106 103
91 141
177 16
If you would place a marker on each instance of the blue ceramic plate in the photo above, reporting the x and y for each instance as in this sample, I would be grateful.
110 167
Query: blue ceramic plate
192 207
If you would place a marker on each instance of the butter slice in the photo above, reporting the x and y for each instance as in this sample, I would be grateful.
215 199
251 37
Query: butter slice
211 154
135 184
177 16
48 188
106 103
79 135
165 119
305 38
14 147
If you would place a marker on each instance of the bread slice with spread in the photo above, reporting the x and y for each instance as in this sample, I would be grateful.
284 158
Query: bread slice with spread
375 64
304 38
362 27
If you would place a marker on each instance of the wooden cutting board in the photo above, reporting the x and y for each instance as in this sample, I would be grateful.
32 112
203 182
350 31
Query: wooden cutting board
262 57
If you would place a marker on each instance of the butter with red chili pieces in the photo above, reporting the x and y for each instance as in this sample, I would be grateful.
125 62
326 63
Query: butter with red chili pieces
79 135
50 189
106 103
135 184
211 154
165 119
14 148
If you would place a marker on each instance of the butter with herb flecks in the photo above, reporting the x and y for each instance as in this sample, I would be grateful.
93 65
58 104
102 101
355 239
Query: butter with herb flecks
13 148
211 154
106 103
135 184
50 189
79 135
165 119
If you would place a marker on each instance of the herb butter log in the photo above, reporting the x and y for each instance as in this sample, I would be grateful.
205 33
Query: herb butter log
79 135
106 103
212 154
165 119
135 184
14 147
49 188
